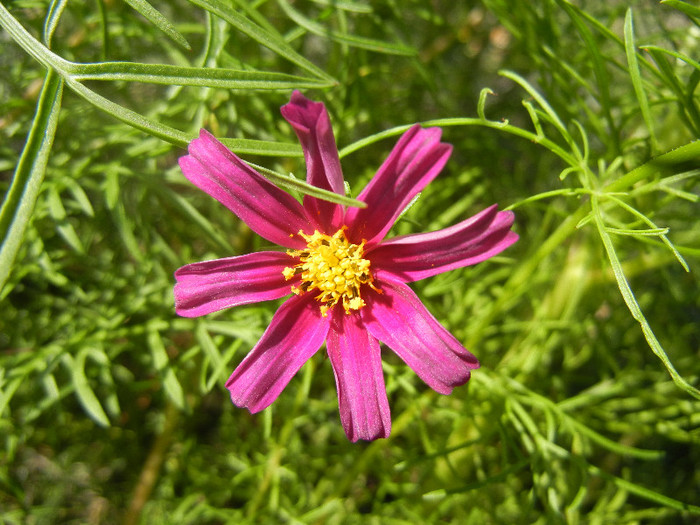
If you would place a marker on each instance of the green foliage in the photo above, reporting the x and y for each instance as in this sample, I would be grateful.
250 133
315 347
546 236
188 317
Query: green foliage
581 117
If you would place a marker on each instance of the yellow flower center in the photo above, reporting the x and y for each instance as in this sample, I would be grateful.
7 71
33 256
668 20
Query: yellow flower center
334 267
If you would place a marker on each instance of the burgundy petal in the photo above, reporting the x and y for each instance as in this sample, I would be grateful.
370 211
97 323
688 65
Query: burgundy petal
313 127
357 364
414 257
398 318
269 211
296 332
416 160
210 286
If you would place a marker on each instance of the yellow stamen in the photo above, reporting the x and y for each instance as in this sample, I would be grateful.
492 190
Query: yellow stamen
334 267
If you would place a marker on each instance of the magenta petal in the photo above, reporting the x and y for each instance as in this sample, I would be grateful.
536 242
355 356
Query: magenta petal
210 286
313 127
357 364
269 211
398 318
416 160
414 257
296 332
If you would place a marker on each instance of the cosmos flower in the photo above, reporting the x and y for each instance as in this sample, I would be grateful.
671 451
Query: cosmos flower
347 282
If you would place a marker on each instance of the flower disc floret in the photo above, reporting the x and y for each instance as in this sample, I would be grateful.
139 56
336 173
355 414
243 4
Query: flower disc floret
333 266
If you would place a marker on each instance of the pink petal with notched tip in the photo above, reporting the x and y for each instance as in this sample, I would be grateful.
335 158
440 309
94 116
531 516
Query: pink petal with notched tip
414 257
295 333
268 211
210 286
357 364
416 160
398 318
312 125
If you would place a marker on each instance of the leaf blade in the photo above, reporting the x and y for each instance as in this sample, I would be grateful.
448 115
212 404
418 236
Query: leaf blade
270 40
633 305
83 390
636 77
370 44
169 74
155 17
18 206
171 385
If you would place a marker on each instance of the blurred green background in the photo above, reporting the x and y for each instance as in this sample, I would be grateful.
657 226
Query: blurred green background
585 410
